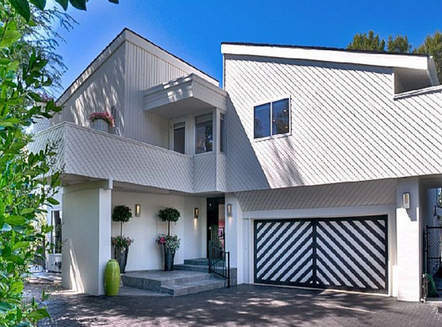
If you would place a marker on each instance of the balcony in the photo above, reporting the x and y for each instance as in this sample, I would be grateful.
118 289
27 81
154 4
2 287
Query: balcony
84 153
184 96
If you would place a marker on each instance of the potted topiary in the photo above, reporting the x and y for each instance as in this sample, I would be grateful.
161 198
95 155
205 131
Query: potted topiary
169 243
121 243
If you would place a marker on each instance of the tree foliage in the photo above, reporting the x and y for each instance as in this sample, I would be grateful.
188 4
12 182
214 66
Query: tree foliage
367 41
27 180
432 46
398 44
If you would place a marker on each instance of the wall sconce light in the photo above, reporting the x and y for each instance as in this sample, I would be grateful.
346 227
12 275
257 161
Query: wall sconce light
137 210
229 210
406 200
196 213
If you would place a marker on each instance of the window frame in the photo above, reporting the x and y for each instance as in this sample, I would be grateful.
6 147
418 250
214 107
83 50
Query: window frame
261 103
195 116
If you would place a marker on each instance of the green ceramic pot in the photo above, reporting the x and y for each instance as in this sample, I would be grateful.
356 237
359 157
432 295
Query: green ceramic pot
112 278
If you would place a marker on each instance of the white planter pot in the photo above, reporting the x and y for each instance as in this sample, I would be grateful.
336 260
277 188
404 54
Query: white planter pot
100 125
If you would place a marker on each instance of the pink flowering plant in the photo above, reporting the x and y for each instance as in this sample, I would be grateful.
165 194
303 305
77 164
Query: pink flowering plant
121 242
171 242
107 117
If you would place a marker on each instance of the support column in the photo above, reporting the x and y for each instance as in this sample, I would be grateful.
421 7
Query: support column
86 236
236 240
409 241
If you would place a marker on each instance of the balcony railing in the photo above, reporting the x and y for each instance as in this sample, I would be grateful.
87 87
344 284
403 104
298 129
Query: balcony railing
98 155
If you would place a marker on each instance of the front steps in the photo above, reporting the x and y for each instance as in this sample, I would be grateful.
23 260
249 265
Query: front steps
200 264
176 283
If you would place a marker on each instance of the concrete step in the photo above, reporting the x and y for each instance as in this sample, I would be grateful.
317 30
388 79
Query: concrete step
197 262
201 268
176 283
193 287
153 280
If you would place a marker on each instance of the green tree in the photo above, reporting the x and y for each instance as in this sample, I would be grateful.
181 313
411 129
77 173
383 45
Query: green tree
433 46
367 41
27 181
398 44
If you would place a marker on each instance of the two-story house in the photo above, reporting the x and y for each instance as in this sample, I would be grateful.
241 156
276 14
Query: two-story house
310 165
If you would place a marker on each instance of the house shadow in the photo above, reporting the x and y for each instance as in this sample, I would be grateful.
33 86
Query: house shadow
242 305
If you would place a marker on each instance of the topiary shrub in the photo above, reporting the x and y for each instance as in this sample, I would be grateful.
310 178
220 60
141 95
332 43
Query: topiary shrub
121 214
169 215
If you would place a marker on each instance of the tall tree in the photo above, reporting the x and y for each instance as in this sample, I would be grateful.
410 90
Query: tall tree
367 41
27 180
433 46
398 44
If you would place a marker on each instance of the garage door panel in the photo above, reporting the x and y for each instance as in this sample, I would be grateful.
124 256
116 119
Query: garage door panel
347 253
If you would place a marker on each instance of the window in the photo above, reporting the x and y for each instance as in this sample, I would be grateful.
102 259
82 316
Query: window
272 118
203 133
179 136
222 134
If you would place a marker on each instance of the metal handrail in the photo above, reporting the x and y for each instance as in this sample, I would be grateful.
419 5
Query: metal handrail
219 261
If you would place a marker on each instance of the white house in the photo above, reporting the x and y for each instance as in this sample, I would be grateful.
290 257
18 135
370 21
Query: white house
313 163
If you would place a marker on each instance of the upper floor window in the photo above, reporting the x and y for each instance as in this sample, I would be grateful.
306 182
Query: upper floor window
272 118
203 133
179 136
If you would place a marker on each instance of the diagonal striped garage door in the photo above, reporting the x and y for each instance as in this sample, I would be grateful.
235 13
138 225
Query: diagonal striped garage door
341 253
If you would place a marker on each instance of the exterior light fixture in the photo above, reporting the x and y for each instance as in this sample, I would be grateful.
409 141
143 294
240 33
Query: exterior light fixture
196 213
406 200
137 210
229 210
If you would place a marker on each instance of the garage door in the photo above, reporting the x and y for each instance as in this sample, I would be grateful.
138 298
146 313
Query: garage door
341 253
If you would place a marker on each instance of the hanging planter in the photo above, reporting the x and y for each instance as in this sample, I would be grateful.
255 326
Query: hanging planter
101 121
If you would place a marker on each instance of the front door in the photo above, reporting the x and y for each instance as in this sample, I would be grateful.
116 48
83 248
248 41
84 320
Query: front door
215 222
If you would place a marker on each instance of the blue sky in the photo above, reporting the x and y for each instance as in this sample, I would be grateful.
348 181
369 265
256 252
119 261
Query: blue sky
193 30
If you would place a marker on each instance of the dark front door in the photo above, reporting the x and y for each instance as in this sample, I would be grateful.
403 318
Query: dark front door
215 221
342 253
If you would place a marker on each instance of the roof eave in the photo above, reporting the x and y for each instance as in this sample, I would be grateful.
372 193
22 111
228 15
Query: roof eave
328 55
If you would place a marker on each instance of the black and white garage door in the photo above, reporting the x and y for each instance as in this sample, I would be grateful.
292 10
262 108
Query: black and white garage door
341 253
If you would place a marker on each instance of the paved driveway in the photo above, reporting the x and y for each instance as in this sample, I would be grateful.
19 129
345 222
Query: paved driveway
241 306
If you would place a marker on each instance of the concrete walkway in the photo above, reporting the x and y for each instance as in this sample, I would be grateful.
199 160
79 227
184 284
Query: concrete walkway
245 305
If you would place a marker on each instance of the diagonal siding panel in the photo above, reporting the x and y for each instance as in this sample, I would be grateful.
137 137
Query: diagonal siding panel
346 126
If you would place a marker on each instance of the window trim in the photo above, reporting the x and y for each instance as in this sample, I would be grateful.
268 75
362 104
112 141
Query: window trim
275 99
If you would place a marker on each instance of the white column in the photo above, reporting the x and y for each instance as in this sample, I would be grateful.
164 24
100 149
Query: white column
86 236
236 240
409 241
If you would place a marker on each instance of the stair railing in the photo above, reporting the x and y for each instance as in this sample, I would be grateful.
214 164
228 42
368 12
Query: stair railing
219 261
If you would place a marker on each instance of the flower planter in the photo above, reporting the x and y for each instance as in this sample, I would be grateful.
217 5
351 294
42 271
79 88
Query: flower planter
121 257
100 125
169 256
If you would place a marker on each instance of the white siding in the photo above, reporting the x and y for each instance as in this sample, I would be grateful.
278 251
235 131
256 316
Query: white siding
346 126
102 90
369 193
144 253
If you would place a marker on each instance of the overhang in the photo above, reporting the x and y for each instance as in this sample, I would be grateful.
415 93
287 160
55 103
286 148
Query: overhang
186 95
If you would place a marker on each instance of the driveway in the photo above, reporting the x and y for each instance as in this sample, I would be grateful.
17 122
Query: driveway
245 305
